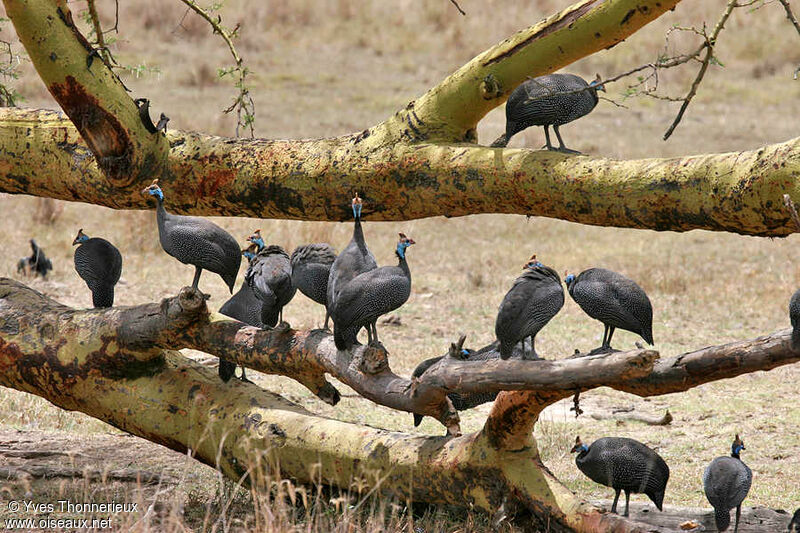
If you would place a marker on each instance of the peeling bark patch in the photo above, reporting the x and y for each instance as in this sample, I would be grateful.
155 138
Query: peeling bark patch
565 21
209 183
102 131
627 17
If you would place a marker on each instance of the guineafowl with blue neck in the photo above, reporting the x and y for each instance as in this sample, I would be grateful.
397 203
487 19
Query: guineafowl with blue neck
196 241
99 264
533 300
726 482
311 268
354 260
614 300
794 318
624 465
551 100
270 277
368 296
245 307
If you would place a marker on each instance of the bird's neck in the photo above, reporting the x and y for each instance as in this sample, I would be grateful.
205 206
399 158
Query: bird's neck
358 232
161 213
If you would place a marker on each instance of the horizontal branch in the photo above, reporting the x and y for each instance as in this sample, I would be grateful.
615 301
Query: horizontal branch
739 192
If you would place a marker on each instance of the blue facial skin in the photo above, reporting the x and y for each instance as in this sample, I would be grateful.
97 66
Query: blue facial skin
356 210
596 85
83 238
735 449
248 254
534 264
401 249
258 242
156 192
464 351
569 279
583 448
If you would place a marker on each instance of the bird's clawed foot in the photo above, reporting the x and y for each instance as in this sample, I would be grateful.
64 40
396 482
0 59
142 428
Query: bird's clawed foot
282 327
603 350
565 150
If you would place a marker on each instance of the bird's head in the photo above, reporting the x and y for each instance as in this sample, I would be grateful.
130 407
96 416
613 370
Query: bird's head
569 279
737 446
597 85
250 252
402 244
154 190
357 204
256 239
579 446
80 237
532 263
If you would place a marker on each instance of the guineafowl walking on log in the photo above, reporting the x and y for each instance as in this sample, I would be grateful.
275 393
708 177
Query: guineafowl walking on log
614 300
794 317
37 262
245 307
551 100
535 298
196 241
270 277
624 465
726 482
355 259
368 296
99 264
311 268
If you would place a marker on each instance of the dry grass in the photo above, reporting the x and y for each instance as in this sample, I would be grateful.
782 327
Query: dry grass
323 68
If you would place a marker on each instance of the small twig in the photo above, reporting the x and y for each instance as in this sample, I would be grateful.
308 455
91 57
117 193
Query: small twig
98 31
793 20
458 7
243 103
787 201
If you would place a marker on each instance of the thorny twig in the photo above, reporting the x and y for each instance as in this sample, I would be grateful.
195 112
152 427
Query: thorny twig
243 103
787 201
793 20
458 7
98 31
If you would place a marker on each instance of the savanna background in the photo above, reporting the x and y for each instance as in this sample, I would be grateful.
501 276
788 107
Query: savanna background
324 68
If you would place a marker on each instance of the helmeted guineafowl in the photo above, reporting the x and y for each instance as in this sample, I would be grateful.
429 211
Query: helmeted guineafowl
368 296
794 317
245 307
196 241
99 263
37 262
355 259
270 277
535 298
614 300
311 267
466 400
624 465
794 524
551 100
726 482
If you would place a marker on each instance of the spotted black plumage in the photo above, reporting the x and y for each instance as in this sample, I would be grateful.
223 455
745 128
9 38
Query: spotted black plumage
794 317
196 241
37 262
368 296
534 298
548 101
270 277
624 465
311 268
614 300
462 401
99 264
794 524
354 260
726 482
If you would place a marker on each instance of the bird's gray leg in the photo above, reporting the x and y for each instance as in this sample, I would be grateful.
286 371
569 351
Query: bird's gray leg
368 327
611 330
375 332
533 349
547 138
197 271
523 347
616 498
627 501
605 335
561 147
327 316
738 512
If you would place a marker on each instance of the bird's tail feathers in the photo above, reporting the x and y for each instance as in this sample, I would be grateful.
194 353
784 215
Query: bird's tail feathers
417 419
506 350
658 499
722 517
796 337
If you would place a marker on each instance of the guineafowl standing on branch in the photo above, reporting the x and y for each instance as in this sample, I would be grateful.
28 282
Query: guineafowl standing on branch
196 241
624 465
311 268
368 296
99 264
614 300
726 482
270 277
37 262
535 298
244 307
355 259
794 317
552 100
